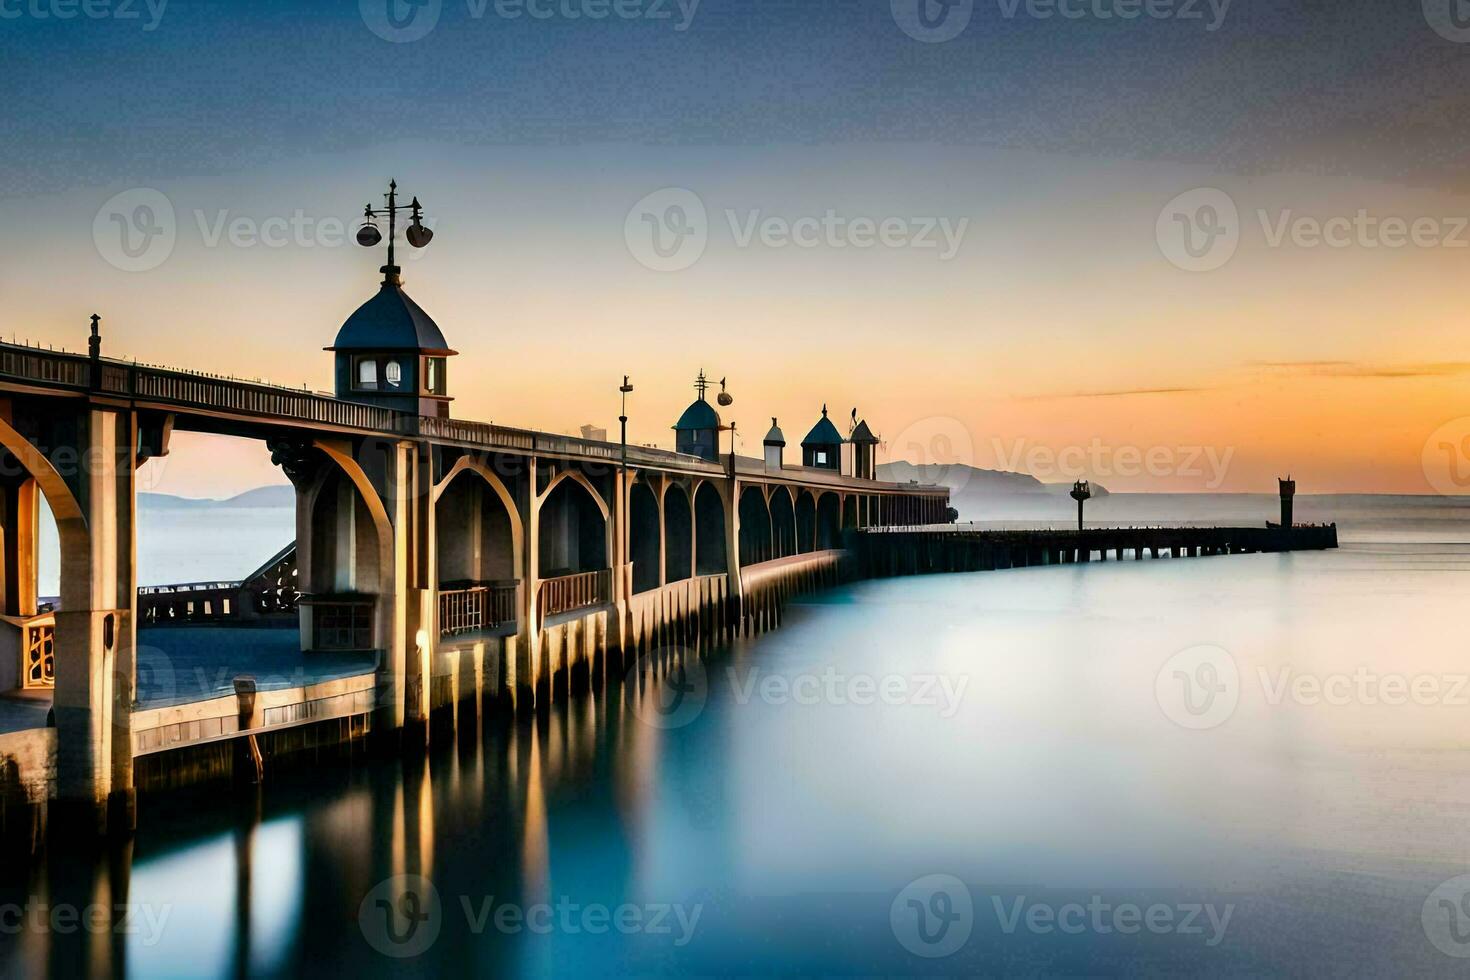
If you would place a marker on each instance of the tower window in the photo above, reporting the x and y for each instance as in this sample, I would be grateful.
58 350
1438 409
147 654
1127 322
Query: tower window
434 375
367 373
393 373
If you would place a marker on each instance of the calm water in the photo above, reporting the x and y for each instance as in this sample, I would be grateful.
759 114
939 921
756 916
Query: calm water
1229 765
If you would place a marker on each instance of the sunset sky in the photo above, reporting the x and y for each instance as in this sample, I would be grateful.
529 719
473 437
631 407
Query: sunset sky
1051 149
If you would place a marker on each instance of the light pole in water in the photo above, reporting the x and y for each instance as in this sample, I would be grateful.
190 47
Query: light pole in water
1081 491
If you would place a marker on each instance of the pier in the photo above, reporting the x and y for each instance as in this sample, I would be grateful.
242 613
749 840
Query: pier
441 567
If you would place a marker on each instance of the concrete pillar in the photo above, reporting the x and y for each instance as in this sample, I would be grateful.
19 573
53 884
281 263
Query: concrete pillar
95 640
528 641
21 529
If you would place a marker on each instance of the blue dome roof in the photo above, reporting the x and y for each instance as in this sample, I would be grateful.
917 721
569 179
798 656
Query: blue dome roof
700 415
824 433
390 321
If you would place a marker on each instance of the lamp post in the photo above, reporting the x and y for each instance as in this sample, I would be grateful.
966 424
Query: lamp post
625 390
418 236
1081 491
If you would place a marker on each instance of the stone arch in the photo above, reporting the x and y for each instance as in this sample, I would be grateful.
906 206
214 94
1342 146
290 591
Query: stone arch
678 533
711 555
469 464
756 543
829 521
376 532
806 522
477 528
574 528
644 533
783 523
71 524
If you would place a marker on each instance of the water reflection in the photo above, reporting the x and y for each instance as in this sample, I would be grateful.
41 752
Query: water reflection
785 830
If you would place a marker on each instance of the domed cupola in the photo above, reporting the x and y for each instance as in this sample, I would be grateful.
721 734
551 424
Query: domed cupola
822 446
390 352
698 430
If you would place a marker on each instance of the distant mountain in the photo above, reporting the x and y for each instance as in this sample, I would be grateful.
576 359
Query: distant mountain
278 496
973 481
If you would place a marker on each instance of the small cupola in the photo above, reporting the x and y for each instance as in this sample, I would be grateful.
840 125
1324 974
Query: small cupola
697 432
775 443
390 352
822 447
864 446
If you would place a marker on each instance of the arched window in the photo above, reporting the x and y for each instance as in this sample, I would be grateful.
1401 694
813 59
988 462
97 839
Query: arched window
367 373
393 372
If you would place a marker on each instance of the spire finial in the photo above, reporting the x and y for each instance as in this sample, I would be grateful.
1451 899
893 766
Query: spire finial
701 384
94 342
824 410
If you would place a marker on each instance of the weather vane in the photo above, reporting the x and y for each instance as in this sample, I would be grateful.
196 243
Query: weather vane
368 235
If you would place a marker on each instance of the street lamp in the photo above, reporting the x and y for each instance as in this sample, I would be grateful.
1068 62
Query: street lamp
418 236
627 537
1081 491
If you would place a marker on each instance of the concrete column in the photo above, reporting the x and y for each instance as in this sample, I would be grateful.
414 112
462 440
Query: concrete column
21 530
95 641
392 703
422 588
528 639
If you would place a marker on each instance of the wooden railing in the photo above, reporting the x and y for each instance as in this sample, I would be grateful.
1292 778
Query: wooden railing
577 591
479 607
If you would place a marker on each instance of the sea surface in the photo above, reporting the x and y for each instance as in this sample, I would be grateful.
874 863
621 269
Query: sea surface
1231 766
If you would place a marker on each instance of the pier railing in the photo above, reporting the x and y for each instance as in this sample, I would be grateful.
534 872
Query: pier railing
491 605
565 593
